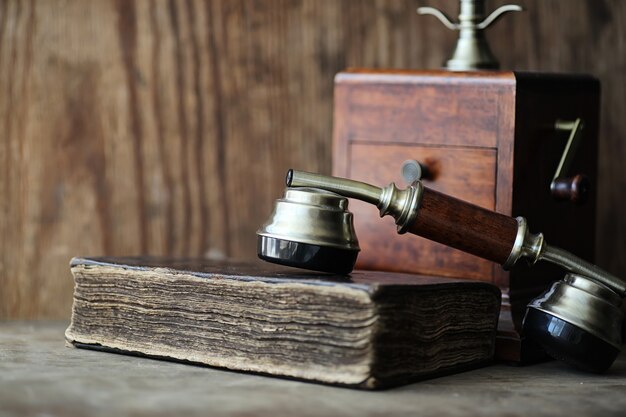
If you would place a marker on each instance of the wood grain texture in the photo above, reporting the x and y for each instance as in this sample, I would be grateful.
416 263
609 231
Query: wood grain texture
466 227
146 127
395 106
165 127
34 361
466 173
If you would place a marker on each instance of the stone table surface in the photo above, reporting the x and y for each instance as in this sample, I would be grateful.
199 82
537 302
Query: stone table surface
41 376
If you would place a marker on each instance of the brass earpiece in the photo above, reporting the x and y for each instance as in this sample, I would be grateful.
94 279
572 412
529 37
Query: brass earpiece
577 320
310 229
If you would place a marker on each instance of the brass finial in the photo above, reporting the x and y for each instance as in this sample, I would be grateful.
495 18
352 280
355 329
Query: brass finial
472 51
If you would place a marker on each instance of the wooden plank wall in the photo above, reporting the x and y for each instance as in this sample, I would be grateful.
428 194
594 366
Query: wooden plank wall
165 127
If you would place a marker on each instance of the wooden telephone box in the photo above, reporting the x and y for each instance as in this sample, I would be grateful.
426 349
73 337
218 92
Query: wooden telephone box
491 138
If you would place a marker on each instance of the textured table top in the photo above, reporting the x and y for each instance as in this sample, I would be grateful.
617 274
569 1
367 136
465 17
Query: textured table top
40 376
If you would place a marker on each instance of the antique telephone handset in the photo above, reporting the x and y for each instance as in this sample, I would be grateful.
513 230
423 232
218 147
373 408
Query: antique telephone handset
577 320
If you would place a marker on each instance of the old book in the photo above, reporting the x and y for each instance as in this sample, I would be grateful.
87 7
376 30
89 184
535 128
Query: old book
368 330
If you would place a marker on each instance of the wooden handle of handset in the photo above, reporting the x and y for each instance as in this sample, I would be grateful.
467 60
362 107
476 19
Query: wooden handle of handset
465 226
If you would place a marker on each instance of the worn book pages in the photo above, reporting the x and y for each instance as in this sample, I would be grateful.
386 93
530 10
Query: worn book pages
368 330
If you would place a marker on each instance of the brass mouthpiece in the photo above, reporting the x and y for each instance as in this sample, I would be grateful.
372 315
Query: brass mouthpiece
402 205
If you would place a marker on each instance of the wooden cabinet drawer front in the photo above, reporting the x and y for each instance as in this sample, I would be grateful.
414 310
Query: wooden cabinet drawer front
465 173
455 114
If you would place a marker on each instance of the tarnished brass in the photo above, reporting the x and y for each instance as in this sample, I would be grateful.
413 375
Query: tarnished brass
576 265
532 248
586 304
402 205
312 216
575 128
472 51
527 246
574 188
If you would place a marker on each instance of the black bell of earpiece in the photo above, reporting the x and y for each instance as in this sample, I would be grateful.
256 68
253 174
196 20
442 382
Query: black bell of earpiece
577 321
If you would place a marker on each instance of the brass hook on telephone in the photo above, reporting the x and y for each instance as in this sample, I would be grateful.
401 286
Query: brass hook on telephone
472 51
577 320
